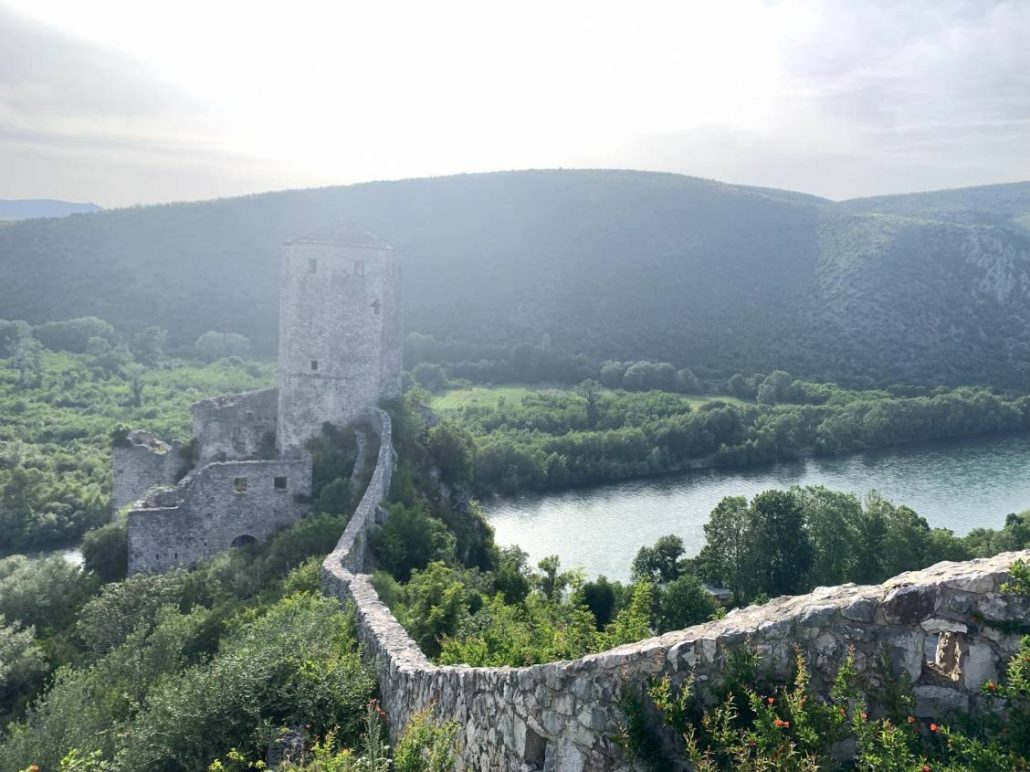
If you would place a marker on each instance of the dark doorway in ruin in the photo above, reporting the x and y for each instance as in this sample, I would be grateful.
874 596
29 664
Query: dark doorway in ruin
245 540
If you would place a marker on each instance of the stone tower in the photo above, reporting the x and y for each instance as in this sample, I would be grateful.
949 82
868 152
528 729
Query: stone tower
340 346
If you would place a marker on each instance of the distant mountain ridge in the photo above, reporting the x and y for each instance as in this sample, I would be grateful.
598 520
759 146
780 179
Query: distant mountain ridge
31 208
924 288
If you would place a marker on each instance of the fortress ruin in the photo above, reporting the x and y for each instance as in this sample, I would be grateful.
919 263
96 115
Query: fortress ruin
945 629
340 349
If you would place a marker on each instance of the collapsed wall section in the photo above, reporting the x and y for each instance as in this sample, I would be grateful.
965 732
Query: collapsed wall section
139 461
947 629
219 506
235 427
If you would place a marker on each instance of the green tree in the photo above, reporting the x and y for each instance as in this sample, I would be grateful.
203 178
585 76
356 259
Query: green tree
453 451
782 551
684 602
430 376
727 554
660 563
832 519
105 551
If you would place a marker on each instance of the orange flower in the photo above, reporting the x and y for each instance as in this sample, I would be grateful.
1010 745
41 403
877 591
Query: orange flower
933 727
781 724
865 716
771 700
926 768
992 686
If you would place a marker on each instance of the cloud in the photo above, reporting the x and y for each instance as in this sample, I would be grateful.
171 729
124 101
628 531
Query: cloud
836 98
83 121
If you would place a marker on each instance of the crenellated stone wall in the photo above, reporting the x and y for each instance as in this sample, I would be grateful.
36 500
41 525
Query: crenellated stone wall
235 427
216 507
944 627
139 463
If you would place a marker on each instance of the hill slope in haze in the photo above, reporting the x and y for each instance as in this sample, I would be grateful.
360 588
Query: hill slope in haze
30 208
614 264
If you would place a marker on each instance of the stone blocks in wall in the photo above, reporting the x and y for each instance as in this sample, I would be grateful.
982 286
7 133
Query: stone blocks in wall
219 506
139 463
235 427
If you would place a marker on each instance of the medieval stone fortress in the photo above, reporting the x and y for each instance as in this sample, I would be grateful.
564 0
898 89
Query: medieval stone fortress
945 628
340 348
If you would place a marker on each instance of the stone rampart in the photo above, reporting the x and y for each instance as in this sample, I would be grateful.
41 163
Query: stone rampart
140 462
219 506
235 427
946 628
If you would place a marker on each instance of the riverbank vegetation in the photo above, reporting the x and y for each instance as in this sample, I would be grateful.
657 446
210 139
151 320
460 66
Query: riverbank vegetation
557 438
465 600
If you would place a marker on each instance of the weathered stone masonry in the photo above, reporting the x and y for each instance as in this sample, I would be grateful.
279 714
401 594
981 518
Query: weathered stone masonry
141 462
339 353
235 427
219 506
564 715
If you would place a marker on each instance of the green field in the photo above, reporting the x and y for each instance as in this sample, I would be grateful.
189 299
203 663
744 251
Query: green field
489 396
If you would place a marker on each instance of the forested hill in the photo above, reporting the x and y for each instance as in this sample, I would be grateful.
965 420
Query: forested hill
28 208
615 264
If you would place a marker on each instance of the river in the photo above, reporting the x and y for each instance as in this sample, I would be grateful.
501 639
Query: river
959 484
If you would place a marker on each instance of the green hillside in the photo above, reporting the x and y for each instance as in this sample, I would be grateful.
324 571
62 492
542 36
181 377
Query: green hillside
612 264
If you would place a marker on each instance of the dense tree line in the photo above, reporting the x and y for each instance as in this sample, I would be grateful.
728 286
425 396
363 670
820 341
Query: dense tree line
555 439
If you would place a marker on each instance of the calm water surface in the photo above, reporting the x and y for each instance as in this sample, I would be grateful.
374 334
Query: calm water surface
960 485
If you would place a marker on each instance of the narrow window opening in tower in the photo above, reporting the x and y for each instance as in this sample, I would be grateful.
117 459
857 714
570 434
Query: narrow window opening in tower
312 265
376 306
359 267
280 483
239 485
314 365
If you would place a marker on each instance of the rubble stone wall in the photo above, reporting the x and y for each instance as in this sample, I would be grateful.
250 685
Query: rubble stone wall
139 463
946 628
219 506
235 427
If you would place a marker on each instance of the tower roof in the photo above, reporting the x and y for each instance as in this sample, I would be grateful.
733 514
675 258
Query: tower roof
343 233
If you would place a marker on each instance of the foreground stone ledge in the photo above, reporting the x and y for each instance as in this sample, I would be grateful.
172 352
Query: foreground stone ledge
934 625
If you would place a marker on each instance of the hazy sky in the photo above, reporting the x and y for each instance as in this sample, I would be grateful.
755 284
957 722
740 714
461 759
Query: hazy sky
130 101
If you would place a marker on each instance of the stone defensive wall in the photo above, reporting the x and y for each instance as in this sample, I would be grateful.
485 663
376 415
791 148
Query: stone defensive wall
947 629
253 499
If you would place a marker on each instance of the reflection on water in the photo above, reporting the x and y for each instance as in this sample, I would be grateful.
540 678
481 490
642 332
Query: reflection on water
959 485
